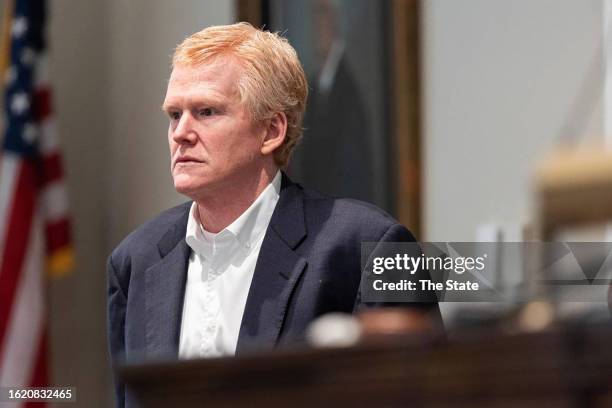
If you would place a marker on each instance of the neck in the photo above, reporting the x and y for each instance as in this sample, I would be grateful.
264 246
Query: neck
217 211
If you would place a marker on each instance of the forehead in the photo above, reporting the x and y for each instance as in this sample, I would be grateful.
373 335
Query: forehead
218 78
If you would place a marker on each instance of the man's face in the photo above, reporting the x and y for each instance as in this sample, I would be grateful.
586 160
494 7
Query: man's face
213 142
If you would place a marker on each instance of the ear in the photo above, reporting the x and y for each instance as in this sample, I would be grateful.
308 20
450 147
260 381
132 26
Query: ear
275 133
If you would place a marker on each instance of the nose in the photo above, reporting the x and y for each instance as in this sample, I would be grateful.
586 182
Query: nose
184 132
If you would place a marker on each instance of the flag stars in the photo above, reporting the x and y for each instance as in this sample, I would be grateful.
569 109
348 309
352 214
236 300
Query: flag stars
27 56
20 103
30 133
10 75
19 27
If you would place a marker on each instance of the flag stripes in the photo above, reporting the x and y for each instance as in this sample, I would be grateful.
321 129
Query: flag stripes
34 224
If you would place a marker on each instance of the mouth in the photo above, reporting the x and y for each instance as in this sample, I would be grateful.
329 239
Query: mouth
186 161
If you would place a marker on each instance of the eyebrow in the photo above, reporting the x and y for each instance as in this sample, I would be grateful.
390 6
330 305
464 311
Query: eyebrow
166 107
191 102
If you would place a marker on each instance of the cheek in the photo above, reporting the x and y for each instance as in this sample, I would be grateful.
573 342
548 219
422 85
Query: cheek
248 137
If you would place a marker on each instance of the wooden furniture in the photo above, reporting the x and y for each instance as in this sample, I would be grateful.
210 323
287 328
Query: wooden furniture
569 367
574 188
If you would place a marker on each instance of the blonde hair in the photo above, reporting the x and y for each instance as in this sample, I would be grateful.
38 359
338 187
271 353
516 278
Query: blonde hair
272 81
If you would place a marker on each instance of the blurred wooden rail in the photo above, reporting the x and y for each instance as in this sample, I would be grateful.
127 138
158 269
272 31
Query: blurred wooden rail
560 368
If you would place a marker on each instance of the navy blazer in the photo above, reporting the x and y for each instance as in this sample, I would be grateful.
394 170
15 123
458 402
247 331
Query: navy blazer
308 265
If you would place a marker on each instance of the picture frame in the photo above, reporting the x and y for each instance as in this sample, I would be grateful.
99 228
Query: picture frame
382 47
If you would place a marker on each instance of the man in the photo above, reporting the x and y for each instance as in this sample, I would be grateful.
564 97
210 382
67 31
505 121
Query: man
337 121
254 258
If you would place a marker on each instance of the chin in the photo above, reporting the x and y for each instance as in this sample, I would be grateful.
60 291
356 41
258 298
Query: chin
191 189
186 188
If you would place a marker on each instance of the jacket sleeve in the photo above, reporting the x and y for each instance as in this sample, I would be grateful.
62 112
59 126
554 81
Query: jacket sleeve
116 306
425 301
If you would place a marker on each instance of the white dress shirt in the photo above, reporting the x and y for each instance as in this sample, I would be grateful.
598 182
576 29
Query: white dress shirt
219 275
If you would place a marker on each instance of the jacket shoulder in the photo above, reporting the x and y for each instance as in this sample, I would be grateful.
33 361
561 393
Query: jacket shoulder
148 234
362 220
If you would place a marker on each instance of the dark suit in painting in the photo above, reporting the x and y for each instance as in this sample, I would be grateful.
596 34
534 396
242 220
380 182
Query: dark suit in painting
335 153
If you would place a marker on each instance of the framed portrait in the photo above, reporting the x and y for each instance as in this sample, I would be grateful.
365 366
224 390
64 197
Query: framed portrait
362 123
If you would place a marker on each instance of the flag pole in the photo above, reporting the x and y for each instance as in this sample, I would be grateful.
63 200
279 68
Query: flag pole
5 50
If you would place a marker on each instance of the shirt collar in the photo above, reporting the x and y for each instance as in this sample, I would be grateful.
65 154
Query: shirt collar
246 229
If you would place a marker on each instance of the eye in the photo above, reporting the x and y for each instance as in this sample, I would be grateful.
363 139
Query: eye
207 112
174 115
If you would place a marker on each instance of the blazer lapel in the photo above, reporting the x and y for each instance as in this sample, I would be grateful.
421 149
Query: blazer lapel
164 292
277 271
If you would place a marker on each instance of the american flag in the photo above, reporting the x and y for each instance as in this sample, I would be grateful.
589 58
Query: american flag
34 224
